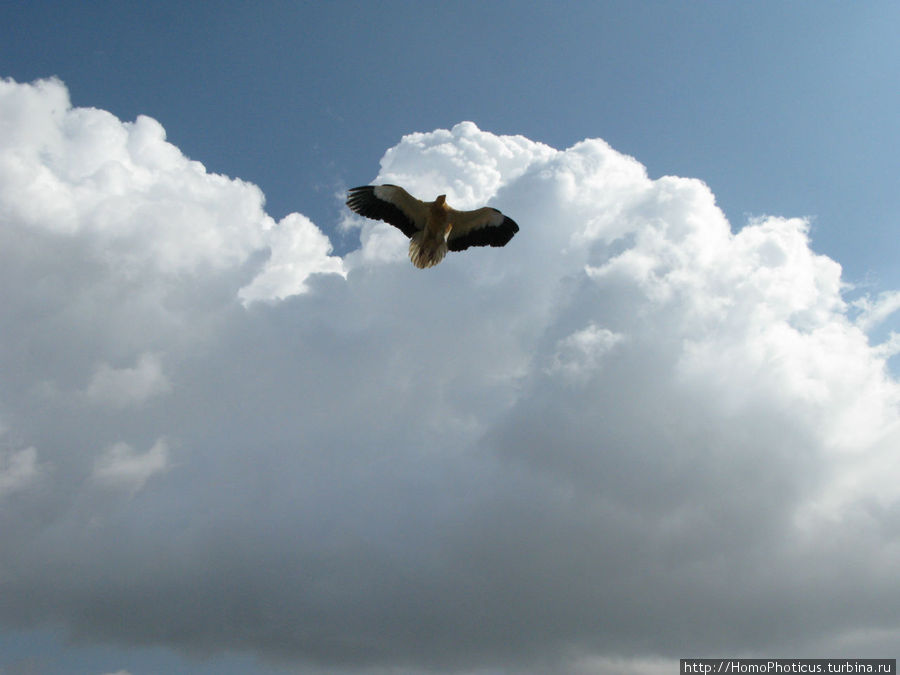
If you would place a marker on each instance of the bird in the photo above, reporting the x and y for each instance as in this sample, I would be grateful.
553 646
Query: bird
434 227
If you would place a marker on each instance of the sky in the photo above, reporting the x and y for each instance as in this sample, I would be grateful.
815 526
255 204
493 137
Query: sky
239 432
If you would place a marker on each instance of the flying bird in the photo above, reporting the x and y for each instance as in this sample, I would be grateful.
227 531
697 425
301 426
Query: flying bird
434 227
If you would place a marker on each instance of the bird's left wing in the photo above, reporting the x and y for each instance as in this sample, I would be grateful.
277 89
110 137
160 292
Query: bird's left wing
390 203
481 227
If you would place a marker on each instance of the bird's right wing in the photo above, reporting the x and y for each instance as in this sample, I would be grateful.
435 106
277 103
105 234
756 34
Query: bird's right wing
390 203
481 227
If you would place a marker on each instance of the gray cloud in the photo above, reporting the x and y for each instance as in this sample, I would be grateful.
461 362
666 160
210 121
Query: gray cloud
630 435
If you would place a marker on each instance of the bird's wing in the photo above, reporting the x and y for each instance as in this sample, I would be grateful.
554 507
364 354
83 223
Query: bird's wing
481 227
389 203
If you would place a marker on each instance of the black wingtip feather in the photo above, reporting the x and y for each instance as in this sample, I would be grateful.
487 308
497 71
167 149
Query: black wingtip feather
498 235
362 200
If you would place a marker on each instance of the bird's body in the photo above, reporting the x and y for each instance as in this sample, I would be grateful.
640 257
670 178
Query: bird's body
432 227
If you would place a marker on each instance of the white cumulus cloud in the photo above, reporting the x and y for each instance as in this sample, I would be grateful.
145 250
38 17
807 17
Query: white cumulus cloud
123 387
18 469
635 432
121 466
298 249
579 354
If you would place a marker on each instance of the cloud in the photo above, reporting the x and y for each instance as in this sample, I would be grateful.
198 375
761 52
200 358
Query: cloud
123 387
121 466
582 352
874 313
631 434
18 469
298 249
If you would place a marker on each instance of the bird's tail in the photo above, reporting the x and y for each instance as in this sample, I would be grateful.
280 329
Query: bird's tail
426 251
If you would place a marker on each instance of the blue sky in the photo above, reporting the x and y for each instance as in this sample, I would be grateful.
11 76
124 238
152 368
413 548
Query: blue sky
238 432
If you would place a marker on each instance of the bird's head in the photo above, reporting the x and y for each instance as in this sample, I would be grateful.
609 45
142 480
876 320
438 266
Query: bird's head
441 199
